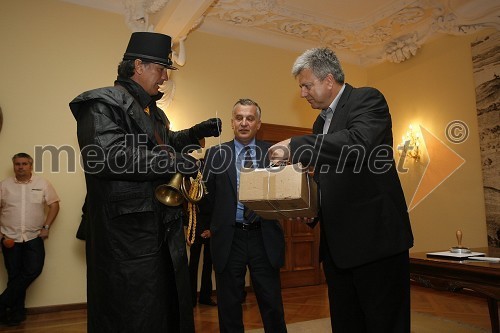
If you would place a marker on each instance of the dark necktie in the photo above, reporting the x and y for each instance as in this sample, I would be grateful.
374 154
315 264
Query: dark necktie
327 116
247 158
247 162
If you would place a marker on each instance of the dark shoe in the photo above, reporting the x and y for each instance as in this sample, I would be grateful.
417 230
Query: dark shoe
13 322
3 319
16 318
209 301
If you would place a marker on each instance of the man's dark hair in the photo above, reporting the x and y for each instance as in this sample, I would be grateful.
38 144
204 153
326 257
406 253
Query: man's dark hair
126 69
23 155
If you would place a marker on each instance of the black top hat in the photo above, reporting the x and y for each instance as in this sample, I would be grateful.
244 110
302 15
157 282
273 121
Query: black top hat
150 47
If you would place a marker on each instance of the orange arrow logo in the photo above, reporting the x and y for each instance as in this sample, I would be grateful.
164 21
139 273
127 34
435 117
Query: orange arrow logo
443 162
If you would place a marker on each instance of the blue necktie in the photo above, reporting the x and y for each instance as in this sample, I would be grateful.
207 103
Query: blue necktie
246 161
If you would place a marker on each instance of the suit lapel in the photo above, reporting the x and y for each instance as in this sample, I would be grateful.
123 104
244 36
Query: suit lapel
261 154
230 165
340 113
318 125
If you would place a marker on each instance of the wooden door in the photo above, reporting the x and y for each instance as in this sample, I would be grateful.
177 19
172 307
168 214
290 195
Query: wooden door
302 243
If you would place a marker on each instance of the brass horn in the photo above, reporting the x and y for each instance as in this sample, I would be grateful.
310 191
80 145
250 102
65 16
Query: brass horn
175 192
171 194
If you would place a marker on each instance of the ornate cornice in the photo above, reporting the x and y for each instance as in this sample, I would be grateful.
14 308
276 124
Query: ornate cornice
393 33
137 13
362 32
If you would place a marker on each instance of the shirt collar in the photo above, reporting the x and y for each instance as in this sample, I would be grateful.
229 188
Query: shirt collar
238 146
23 182
324 113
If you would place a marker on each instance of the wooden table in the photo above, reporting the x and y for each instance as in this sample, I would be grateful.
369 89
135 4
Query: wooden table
479 278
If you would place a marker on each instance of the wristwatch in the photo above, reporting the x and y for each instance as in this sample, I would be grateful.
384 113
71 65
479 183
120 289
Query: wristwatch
46 227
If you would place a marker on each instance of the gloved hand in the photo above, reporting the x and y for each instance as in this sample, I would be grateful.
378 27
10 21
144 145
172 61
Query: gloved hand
207 128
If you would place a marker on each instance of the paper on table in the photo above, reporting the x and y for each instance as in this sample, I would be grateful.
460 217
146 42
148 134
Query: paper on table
455 255
490 259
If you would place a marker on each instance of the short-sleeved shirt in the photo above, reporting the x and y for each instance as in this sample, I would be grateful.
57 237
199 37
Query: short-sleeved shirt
22 207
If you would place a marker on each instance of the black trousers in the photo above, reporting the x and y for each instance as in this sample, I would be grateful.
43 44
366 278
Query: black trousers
206 273
372 298
24 263
247 250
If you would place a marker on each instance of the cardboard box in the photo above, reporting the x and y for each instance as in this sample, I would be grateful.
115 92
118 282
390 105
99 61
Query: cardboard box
279 193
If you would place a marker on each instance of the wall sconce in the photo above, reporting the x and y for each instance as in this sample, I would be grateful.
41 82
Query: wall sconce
410 146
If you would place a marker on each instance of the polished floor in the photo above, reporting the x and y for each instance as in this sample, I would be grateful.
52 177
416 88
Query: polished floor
301 304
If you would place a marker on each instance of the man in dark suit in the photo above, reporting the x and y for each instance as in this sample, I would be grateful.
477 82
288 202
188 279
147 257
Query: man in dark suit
365 228
240 239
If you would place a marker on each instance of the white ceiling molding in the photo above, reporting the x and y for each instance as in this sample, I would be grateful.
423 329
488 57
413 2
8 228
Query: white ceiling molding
180 17
377 31
362 32
137 13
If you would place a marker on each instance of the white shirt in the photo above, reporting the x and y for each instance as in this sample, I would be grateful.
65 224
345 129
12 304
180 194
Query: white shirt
328 113
22 207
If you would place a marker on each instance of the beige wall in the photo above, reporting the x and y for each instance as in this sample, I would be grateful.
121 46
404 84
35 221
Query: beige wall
433 89
219 71
52 51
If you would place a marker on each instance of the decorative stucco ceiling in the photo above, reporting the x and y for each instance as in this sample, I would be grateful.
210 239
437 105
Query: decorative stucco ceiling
362 32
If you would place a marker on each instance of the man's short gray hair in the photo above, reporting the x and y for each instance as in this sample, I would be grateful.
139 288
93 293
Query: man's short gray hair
321 61
248 101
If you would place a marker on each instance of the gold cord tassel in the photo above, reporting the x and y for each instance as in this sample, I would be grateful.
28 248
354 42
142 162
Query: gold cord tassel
194 191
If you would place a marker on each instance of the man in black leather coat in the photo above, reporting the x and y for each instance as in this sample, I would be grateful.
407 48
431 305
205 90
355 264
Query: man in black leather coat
137 272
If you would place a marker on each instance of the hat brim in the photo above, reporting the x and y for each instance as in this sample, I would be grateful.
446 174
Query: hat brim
166 65
164 62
